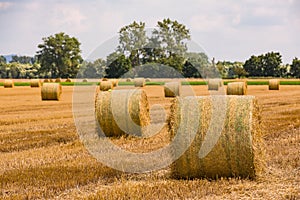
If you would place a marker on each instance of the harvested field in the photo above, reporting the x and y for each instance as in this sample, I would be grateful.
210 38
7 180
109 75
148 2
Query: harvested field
41 156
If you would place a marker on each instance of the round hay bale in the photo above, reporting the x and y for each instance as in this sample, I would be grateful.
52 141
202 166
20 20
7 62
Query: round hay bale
68 80
8 83
148 80
85 80
139 82
231 146
57 80
274 84
46 80
172 89
114 82
214 84
51 91
237 88
106 85
50 80
104 79
122 112
128 80
35 83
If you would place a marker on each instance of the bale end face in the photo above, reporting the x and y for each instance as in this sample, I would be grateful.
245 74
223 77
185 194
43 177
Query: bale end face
214 84
51 91
274 84
35 83
106 85
237 88
8 84
172 89
139 82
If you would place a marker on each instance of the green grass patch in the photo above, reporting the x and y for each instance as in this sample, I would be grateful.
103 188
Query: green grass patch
193 83
21 83
155 83
289 82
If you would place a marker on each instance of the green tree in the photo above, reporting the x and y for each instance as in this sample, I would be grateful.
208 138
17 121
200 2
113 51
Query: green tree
195 64
117 65
59 55
295 68
271 64
94 69
23 59
2 59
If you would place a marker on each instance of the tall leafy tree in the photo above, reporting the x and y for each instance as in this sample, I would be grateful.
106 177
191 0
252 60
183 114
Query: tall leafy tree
22 59
271 63
254 66
2 59
59 55
295 68
117 65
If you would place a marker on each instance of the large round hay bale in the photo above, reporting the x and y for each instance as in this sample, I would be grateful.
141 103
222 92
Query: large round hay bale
114 82
237 88
128 80
214 84
172 89
8 83
68 80
51 91
57 80
274 84
35 83
106 85
122 112
139 82
222 135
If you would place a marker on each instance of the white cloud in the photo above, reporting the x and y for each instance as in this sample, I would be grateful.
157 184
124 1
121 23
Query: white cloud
5 5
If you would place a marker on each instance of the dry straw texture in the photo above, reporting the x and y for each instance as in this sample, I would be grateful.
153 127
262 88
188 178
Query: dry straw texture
172 89
51 91
114 82
139 82
35 83
85 80
237 88
51 81
57 80
106 85
128 80
274 84
104 79
46 80
214 84
148 80
8 83
122 112
238 150
68 80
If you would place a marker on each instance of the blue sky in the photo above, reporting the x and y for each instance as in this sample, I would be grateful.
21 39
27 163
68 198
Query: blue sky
227 30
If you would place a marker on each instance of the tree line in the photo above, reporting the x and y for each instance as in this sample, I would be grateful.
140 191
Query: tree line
140 54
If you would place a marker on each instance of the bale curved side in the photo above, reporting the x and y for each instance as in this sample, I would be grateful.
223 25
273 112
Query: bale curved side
239 149
106 85
68 80
122 112
8 83
172 89
274 84
214 84
35 83
51 91
128 80
139 82
237 88
57 80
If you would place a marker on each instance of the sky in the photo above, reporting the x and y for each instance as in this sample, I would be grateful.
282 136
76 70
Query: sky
231 30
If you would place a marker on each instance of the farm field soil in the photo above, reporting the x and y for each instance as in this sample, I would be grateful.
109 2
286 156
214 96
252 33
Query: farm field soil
41 156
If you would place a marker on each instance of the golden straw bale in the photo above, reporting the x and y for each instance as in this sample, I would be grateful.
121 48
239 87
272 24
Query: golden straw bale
222 134
148 80
139 82
104 79
122 112
57 80
68 80
35 83
274 84
51 91
106 85
214 84
85 80
114 82
237 88
8 83
46 80
128 80
172 89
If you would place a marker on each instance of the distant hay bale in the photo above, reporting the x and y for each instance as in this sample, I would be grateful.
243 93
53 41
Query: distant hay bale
237 88
8 83
46 80
35 83
214 84
274 84
104 79
51 91
172 89
128 80
68 80
106 85
139 82
57 80
148 80
231 146
122 112
85 80
50 80
114 82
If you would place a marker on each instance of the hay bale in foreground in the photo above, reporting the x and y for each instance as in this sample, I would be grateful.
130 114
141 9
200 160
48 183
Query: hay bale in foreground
122 112
114 82
274 84
57 80
51 91
8 83
106 85
237 88
236 150
35 83
139 82
172 89
214 84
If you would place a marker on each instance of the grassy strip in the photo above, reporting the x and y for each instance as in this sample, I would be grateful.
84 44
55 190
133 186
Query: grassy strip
193 83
